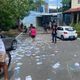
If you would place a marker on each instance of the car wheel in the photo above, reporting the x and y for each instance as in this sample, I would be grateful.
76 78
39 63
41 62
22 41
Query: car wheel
62 37
8 62
14 44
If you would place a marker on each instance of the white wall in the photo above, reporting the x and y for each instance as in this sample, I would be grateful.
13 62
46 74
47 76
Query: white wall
75 4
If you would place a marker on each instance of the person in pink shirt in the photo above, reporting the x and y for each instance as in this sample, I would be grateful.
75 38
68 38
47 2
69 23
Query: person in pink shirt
33 32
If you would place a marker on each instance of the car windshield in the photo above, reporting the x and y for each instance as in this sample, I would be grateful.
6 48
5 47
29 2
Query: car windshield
69 29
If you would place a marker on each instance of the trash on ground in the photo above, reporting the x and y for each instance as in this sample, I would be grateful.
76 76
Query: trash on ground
39 63
57 65
28 78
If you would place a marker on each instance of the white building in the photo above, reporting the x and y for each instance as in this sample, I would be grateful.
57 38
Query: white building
37 18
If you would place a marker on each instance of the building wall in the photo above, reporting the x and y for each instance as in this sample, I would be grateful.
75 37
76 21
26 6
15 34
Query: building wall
75 3
46 8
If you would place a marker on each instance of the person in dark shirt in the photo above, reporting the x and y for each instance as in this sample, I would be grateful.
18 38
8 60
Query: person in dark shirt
54 33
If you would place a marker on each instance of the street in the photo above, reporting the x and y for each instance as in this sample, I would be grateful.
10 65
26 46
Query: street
44 60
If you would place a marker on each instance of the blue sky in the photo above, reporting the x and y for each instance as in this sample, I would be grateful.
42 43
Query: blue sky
54 2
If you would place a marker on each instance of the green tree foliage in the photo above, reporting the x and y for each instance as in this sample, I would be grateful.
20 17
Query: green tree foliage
11 10
66 4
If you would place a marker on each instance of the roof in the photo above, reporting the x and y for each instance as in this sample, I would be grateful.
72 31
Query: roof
72 10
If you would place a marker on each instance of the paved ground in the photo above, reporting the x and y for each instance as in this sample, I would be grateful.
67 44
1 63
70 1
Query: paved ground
43 60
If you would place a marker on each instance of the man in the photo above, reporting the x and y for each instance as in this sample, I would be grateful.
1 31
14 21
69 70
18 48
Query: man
54 33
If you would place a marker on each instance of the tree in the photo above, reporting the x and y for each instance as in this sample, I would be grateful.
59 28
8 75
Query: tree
66 4
11 10
38 3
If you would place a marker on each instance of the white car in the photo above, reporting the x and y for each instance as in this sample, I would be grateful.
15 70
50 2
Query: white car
66 32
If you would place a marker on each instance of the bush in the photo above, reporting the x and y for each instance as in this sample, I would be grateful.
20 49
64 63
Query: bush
77 27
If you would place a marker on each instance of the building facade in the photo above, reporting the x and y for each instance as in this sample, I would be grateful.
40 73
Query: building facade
73 12
75 3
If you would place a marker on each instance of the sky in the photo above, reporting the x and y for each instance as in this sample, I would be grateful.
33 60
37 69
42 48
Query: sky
54 3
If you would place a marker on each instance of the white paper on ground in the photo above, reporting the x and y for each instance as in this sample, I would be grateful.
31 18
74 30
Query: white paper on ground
37 59
37 56
19 64
18 79
48 79
16 68
75 55
57 65
28 78
56 51
77 64
52 54
18 58
39 63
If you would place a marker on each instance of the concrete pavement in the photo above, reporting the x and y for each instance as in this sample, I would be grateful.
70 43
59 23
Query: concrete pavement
43 60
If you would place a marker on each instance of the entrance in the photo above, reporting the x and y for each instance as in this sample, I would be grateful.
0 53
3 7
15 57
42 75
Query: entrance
45 20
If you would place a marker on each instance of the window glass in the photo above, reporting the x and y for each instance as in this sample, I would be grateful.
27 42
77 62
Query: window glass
69 29
59 28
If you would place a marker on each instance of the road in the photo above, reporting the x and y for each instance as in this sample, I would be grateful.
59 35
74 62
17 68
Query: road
44 60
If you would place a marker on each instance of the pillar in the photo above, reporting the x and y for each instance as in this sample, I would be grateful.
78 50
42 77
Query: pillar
77 17
72 21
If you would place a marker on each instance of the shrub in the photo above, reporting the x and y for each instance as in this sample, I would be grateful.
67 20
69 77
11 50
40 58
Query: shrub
77 27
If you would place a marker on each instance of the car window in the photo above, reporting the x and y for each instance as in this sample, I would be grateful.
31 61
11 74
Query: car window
69 29
59 28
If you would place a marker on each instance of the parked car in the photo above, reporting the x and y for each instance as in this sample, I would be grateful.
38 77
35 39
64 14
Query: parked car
9 42
66 32
5 56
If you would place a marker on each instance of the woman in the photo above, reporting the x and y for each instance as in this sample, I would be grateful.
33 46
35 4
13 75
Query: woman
33 32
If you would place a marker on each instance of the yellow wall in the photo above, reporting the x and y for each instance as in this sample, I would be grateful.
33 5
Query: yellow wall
75 4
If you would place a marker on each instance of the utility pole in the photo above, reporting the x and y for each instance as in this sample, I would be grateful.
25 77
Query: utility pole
57 14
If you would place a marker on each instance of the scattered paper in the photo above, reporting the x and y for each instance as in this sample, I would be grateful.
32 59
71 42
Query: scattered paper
56 51
18 79
19 64
17 68
37 56
77 64
57 65
75 55
28 78
48 79
39 63
52 54
37 59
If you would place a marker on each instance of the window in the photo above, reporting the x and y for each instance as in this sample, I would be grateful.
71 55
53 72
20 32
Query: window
69 29
59 28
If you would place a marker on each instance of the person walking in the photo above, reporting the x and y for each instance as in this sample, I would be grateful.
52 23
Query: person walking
33 32
25 29
54 33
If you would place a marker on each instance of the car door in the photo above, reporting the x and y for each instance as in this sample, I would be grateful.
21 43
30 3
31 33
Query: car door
59 31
